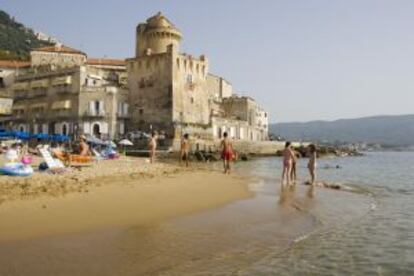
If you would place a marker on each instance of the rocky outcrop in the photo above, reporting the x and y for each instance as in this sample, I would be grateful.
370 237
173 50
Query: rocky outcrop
323 151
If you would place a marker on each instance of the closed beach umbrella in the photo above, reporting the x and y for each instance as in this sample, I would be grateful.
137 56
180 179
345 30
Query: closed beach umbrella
125 142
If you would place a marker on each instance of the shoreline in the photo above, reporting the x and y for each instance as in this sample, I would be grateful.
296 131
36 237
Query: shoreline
187 221
99 201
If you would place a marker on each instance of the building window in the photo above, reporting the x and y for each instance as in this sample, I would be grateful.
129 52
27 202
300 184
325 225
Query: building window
192 100
2 85
96 130
65 129
178 63
141 111
189 78
142 83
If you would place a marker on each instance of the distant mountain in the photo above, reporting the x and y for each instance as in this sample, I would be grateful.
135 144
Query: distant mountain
16 40
385 130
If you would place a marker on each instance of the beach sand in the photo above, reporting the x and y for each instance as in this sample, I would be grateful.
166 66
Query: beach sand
109 194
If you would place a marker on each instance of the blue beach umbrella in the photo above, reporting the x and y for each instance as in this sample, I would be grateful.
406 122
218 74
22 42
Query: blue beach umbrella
21 135
42 136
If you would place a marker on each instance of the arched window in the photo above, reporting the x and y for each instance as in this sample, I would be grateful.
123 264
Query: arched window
96 130
65 129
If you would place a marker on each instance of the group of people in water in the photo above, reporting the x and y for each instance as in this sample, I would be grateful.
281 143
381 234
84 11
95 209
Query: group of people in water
289 172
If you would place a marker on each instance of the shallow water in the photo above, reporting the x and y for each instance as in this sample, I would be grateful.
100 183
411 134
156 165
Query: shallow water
277 232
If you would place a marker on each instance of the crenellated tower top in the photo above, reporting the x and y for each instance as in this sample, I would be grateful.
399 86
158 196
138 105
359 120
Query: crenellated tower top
156 35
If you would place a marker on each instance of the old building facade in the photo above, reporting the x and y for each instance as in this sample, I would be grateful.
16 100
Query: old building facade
175 93
63 92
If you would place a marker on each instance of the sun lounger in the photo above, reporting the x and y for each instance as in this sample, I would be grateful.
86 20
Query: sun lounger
50 161
69 158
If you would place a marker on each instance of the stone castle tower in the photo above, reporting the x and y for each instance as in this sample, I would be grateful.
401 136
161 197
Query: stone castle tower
154 36
168 90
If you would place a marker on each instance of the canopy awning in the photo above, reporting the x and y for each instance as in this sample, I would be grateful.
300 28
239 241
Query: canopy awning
18 107
37 105
62 105
96 77
62 80
39 83
21 86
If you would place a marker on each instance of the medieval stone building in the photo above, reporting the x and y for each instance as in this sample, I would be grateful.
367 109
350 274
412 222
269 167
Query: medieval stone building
175 93
62 91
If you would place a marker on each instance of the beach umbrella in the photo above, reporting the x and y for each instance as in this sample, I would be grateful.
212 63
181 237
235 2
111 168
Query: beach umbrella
42 136
111 144
95 141
21 135
125 142
7 134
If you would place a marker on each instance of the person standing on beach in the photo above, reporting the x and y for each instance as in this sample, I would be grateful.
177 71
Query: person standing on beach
185 146
294 163
152 146
288 157
312 163
227 152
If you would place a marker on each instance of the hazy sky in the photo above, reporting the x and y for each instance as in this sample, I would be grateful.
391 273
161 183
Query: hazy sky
302 60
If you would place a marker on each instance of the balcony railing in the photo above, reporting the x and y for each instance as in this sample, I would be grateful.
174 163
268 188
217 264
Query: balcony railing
122 115
95 113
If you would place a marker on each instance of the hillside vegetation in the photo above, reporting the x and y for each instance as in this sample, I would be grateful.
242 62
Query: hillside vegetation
386 130
16 40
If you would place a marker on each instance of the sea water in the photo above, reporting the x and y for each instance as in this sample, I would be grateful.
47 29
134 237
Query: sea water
366 230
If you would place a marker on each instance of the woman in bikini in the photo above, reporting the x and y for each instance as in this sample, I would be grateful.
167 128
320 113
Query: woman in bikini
152 146
288 157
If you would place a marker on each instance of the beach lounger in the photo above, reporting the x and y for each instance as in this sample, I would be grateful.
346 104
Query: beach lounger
50 161
69 158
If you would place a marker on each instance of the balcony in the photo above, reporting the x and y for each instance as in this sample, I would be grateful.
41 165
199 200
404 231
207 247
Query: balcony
94 113
62 114
121 115
62 89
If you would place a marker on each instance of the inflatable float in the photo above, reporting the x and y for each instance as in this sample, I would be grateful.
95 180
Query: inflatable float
16 169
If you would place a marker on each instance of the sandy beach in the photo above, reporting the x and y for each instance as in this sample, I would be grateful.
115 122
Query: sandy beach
107 194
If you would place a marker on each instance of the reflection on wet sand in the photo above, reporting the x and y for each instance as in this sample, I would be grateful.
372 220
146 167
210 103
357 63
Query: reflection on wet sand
235 239
287 194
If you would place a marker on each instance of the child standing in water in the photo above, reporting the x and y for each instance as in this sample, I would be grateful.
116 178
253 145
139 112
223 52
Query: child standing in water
312 163
288 157
226 153
152 146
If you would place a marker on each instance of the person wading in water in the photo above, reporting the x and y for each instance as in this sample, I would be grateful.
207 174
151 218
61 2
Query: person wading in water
226 153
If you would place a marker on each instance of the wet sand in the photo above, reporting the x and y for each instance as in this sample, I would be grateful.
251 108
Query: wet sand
179 223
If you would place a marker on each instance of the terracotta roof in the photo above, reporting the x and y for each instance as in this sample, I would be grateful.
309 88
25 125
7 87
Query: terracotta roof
14 63
59 49
105 61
